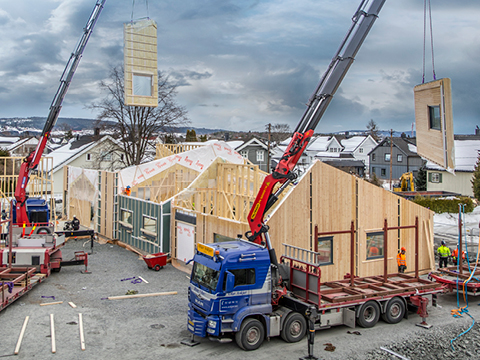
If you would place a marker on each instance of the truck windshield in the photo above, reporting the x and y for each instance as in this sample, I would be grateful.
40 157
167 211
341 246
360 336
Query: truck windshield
205 276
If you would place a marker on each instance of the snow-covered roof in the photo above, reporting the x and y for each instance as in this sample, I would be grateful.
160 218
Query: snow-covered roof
327 154
62 154
8 140
352 143
466 155
319 144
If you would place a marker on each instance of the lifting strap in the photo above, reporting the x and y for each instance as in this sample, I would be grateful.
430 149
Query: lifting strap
425 37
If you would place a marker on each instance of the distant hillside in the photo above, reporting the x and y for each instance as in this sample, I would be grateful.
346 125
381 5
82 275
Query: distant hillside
35 125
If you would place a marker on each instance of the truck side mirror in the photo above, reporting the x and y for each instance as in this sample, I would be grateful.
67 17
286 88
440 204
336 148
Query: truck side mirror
230 282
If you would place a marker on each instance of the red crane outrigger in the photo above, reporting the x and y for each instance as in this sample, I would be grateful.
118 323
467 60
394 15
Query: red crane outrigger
362 21
31 162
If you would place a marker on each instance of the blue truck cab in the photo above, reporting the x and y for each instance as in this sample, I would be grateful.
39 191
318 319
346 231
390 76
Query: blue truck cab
230 292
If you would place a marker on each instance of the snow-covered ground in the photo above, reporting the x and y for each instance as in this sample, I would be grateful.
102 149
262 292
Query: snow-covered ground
445 227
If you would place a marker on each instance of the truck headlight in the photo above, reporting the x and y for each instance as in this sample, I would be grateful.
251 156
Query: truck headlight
212 324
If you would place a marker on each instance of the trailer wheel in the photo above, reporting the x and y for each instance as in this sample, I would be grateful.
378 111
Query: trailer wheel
369 314
157 267
395 311
294 328
57 270
44 230
251 335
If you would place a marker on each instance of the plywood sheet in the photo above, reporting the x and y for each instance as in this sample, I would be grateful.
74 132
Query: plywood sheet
140 63
435 136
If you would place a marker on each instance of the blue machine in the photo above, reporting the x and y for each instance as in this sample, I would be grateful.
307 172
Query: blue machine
37 211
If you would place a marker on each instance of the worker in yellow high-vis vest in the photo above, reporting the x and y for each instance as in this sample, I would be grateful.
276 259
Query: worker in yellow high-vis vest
443 253
402 260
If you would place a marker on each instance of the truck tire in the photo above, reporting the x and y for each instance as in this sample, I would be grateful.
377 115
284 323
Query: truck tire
368 314
294 328
43 230
394 311
251 335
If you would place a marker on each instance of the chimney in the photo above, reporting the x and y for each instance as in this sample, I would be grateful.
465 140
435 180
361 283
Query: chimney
477 130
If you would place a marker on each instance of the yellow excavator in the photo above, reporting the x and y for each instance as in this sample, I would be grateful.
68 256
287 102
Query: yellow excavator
406 183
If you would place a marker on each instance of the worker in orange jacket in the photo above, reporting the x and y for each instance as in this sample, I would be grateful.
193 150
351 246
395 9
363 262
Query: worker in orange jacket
455 256
402 260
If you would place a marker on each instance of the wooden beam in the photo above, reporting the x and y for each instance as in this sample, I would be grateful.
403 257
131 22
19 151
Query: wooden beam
20 338
140 295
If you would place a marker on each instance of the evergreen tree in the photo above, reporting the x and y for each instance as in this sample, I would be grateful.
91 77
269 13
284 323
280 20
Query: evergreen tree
421 180
191 136
476 180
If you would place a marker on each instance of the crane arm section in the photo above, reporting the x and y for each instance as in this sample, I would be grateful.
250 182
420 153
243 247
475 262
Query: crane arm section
362 22
33 159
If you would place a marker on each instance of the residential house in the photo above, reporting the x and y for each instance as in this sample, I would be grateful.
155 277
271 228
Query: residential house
467 148
404 158
88 152
277 152
256 151
359 147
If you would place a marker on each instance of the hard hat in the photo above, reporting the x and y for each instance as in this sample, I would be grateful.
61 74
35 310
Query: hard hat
128 186
403 249
443 242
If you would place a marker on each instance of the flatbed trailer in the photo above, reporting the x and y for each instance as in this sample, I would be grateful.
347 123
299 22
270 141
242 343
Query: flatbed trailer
453 279
361 301
15 282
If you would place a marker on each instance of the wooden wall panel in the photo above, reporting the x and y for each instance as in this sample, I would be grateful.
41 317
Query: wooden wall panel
140 59
436 145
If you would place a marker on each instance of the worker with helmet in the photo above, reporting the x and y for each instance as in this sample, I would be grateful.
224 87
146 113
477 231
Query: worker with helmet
128 190
443 253
75 223
455 256
402 260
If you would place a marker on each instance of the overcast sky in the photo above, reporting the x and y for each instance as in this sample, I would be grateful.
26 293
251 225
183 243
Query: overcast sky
241 64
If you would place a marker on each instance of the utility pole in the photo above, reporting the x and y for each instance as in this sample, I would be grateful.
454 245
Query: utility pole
268 151
391 157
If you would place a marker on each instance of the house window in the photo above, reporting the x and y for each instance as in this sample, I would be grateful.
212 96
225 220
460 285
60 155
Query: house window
260 155
435 177
217 238
399 158
383 172
244 153
373 157
434 115
324 250
387 157
149 225
106 156
142 85
126 216
374 245
360 150
89 157
373 169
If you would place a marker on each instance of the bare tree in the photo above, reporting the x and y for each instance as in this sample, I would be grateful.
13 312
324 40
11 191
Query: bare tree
279 132
373 130
137 127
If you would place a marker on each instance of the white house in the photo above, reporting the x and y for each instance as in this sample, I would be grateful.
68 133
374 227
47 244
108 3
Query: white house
466 154
359 147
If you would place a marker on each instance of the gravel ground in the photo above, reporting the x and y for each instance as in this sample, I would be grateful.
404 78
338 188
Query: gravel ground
153 327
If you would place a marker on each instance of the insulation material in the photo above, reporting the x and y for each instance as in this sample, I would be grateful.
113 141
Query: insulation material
82 192
198 160
140 63
434 122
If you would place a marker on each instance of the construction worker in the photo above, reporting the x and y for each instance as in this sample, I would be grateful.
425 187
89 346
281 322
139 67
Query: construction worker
444 253
402 260
75 223
128 190
455 256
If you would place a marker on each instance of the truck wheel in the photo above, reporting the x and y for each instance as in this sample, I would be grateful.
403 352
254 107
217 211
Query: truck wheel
157 267
369 314
395 311
294 328
251 335
57 269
